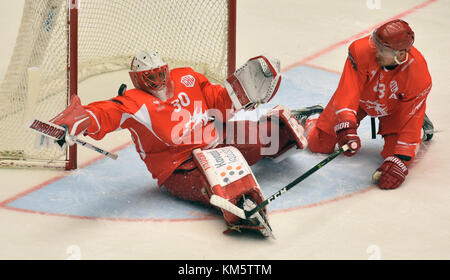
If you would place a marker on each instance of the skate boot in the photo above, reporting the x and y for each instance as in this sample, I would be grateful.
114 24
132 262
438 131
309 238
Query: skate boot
303 113
428 129
257 221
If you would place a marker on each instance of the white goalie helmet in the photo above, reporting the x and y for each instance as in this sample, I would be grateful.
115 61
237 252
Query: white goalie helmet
150 73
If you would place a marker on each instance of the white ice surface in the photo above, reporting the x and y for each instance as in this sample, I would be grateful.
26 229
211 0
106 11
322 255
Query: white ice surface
412 222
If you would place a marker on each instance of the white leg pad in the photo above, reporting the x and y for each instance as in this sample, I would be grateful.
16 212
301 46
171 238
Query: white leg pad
229 176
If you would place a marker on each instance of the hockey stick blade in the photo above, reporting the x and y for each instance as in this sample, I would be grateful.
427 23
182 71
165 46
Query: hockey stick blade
57 132
228 206
50 130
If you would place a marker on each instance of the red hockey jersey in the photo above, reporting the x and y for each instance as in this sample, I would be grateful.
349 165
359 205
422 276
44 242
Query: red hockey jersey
397 97
165 132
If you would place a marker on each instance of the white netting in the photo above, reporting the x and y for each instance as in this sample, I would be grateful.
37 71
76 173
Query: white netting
185 32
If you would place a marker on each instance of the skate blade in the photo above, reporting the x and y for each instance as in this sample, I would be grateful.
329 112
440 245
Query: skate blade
267 231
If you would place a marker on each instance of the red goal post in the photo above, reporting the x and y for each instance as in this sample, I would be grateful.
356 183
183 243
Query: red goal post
63 42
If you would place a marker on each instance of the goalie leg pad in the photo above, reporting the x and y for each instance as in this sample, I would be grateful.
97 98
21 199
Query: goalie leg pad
260 139
229 176
290 127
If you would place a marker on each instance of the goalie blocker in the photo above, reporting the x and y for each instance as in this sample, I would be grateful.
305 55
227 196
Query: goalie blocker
52 133
65 127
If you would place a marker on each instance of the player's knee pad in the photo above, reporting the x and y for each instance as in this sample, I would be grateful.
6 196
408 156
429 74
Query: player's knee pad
229 176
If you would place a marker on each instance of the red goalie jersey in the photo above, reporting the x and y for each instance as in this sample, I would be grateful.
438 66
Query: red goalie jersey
165 132
397 97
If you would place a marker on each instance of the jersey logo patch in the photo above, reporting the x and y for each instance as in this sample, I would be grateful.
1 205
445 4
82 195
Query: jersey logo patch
188 80
379 110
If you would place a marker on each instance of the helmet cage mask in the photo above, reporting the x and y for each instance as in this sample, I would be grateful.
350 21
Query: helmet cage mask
155 79
150 73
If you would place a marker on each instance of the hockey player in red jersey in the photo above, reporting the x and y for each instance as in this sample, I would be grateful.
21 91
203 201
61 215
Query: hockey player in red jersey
179 123
385 77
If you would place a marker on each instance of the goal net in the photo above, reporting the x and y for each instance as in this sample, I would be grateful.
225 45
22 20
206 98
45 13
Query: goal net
195 33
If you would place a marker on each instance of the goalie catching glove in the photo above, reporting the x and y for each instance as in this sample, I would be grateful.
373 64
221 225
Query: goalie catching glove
256 82
75 119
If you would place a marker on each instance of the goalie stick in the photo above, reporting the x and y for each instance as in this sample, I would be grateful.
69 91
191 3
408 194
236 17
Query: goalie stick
57 132
244 214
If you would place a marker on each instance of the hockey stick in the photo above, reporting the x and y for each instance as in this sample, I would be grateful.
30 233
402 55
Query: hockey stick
243 214
57 132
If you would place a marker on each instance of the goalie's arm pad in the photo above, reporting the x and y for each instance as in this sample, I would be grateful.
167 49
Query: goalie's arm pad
256 82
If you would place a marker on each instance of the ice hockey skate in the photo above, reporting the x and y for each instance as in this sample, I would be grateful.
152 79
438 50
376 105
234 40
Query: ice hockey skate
428 129
258 221
302 114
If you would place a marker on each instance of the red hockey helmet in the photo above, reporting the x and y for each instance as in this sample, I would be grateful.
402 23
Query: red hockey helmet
150 73
395 35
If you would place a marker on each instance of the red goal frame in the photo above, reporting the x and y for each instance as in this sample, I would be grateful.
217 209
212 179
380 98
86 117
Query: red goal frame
72 58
